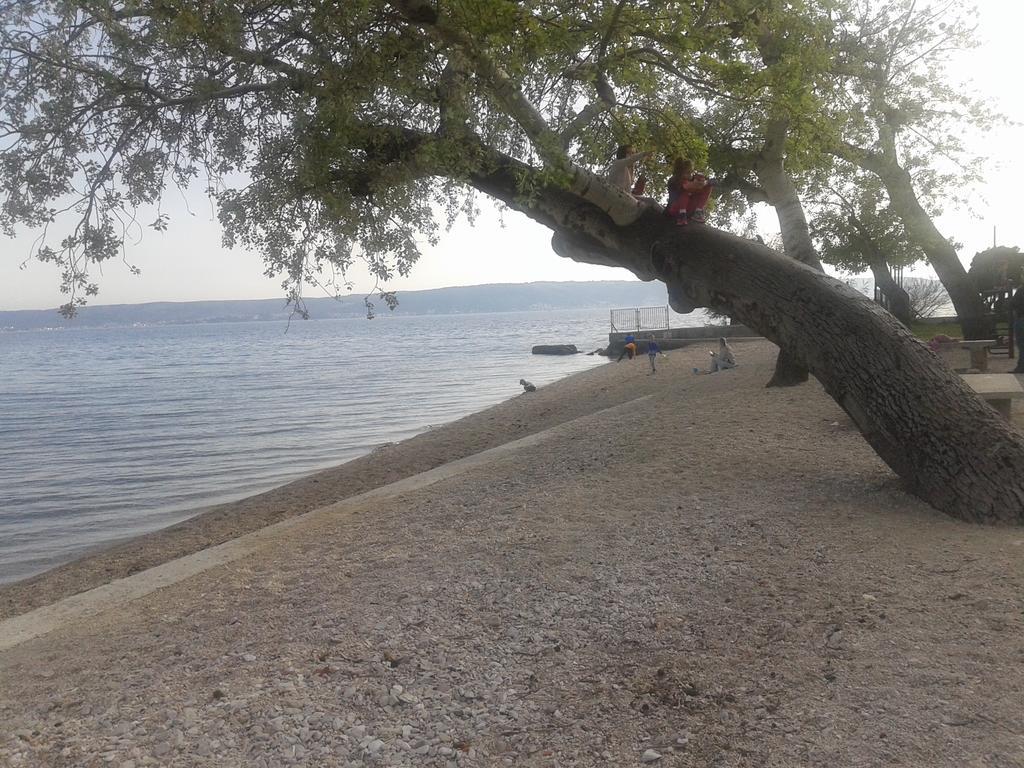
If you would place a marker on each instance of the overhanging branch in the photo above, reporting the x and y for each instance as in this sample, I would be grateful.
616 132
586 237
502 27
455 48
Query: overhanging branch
505 91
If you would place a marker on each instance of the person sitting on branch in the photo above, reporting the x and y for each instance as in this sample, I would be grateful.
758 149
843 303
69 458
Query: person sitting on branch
622 170
688 193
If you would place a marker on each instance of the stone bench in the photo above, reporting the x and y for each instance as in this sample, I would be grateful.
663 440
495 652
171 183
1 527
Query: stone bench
978 349
979 352
997 389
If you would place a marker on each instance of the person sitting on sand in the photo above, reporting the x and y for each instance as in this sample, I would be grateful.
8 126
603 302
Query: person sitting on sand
622 170
725 358
527 386
688 193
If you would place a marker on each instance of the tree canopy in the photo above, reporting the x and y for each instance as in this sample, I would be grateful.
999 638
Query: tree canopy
299 118
1000 266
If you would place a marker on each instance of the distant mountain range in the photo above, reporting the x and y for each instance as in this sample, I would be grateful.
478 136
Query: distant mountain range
498 297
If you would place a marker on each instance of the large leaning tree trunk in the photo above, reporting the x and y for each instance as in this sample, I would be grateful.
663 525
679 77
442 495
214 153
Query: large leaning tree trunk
950 448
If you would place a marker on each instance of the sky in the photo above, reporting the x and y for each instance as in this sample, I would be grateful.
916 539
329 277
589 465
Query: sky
188 263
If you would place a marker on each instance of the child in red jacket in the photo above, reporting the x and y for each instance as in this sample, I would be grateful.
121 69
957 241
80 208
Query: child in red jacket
688 193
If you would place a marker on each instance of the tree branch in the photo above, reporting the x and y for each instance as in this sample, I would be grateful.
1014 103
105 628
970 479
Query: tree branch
508 95
582 119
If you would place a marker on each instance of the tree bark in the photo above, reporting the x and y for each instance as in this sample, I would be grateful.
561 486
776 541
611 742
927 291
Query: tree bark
783 196
789 371
941 255
796 235
950 448
970 309
898 298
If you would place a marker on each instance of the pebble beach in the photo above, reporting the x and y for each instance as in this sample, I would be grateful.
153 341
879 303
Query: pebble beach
618 569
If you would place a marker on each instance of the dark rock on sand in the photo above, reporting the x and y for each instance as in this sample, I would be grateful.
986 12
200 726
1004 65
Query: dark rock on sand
555 349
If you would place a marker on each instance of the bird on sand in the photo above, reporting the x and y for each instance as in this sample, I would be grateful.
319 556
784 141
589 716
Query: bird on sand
527 386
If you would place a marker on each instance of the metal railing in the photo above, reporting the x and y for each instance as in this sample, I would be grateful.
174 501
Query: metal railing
639 319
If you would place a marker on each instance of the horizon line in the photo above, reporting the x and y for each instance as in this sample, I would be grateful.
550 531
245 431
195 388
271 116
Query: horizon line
354 294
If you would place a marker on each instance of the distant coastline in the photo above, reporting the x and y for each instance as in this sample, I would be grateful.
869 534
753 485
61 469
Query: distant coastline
474 299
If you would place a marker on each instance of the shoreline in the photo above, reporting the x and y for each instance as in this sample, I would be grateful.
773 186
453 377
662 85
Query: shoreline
210 412
212 524
431 446
180 516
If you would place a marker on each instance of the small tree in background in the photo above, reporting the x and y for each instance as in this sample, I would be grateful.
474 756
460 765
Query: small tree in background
905 119
926 296
855 229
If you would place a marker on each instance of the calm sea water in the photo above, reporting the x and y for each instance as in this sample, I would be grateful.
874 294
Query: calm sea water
115 432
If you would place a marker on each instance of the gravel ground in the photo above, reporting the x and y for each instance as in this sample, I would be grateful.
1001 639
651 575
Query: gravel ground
714 575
